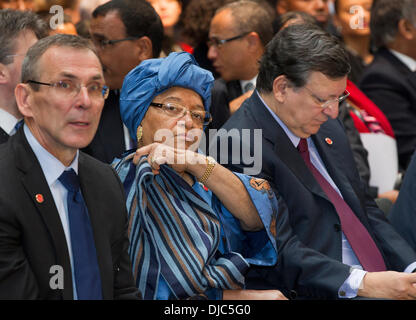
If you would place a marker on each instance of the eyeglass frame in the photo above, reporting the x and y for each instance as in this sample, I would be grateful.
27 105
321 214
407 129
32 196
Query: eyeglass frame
327 103
161 105
78 86
103 43
221 42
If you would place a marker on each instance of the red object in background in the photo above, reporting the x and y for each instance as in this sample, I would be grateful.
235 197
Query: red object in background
186 47
358 98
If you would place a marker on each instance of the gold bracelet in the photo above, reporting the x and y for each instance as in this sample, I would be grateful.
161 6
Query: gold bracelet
210 166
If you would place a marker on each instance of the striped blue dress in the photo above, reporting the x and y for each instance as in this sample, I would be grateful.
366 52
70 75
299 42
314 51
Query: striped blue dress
183 242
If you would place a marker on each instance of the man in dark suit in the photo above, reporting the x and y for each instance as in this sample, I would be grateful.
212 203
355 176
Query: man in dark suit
334 242
238 33
125 33
62 213
390 80
18 31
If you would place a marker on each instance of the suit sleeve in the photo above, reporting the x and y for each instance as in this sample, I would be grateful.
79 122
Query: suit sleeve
124 287
403 214
17 280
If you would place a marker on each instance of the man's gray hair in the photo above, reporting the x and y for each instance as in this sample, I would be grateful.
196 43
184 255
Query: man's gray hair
251 16
385 17
298 50
12 22
30 65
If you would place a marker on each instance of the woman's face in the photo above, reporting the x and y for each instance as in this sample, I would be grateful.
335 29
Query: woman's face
168 10
177 131
354 17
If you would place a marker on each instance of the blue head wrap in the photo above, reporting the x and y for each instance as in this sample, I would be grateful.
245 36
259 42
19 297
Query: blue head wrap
152 77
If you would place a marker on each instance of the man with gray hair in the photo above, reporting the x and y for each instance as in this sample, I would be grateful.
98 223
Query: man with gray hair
62 213
334 242
390 80
238 34
18 31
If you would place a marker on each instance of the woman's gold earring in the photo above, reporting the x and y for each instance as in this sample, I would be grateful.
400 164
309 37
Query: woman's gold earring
139 135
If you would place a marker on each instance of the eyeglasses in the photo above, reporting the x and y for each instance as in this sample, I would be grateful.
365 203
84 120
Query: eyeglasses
102 44
328 103
177 111
71 89
219 42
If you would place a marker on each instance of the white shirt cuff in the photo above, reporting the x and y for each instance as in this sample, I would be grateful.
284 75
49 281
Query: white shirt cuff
349 289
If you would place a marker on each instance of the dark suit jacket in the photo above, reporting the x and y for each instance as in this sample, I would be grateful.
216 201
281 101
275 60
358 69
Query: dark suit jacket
222 93
3 136
403 213
108 142
309 236
392 87
32 236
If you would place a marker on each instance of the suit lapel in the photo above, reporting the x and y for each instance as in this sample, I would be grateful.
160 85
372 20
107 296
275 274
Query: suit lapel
328 154
91 194
3 136
38 190
284 149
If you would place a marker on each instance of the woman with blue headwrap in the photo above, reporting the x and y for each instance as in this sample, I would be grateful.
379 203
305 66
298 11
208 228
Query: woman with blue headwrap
194 226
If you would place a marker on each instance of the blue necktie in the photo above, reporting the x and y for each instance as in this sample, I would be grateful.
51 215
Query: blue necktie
86 271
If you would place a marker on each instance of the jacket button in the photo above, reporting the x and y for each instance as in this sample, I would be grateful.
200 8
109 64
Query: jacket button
337 227
293 294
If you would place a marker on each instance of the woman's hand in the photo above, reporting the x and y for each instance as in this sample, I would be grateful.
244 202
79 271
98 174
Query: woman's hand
158 154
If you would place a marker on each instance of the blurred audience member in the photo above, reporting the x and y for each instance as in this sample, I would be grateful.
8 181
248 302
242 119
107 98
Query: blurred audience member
196 20
67 27
169 12
390 80
18 4
238 34
124 32
352 19
19 30
316 8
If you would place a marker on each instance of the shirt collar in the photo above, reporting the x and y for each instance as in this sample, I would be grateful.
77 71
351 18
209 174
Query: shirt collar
408 61
293 138
52 168
7 121
244 82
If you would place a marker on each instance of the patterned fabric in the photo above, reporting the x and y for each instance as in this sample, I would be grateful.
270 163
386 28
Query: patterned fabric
174 233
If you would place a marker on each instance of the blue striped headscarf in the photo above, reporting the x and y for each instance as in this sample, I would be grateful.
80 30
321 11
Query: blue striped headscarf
152 77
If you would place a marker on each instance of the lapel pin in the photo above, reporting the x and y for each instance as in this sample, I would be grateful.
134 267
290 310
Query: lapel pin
329 141
39 198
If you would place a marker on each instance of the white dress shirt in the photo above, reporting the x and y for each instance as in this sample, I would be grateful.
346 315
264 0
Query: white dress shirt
8 122
52 169
243 83
408 61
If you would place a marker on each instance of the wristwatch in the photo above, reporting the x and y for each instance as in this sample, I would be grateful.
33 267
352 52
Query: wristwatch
210 166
